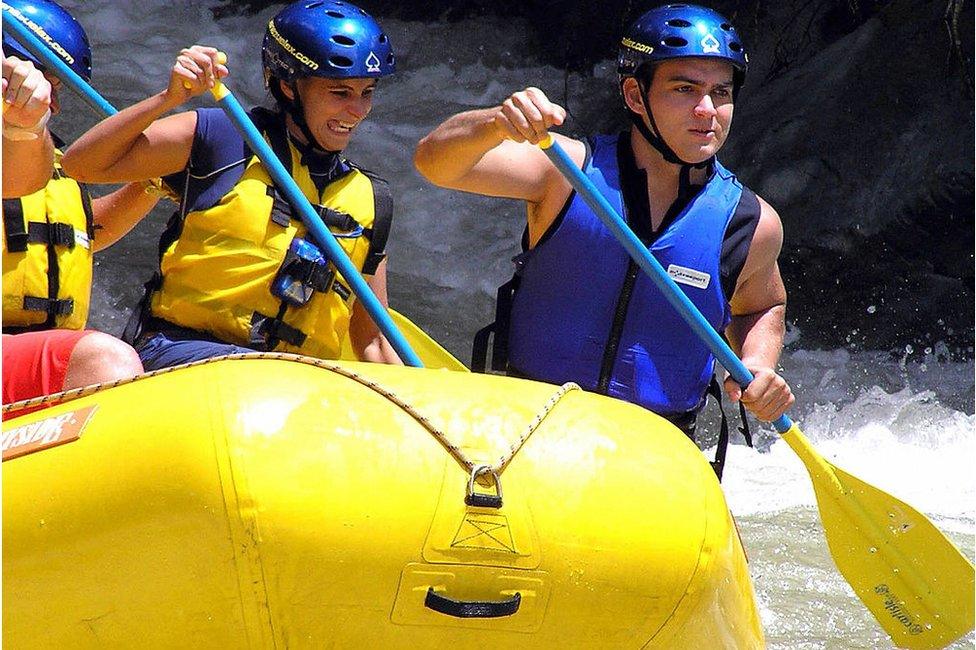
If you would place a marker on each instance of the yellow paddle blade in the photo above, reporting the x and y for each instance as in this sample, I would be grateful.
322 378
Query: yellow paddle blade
915 581
431 353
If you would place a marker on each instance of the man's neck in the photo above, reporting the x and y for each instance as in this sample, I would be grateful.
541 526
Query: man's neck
659 171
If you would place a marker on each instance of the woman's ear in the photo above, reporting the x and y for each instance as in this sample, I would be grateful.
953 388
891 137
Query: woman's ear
632 95
286 89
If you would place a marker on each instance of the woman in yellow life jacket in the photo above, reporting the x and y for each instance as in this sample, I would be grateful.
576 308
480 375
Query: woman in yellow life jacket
51 225
238 271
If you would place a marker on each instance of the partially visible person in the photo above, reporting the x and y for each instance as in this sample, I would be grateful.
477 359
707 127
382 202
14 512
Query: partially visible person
582 311
27 145
51 226
238 270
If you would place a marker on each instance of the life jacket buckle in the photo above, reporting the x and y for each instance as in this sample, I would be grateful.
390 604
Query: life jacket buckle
482 499
303 272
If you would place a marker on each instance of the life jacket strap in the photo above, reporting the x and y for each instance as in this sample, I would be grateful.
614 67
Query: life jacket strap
50 306
338 220
266 331
342 290
52 234
14 228
499 328
723 436
280 209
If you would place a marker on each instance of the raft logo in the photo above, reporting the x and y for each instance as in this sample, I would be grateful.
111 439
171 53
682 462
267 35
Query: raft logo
484 532
372 63
710 44
691 277
46 433
895 607
40 33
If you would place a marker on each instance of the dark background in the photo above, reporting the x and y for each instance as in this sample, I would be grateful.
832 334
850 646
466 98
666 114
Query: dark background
856 122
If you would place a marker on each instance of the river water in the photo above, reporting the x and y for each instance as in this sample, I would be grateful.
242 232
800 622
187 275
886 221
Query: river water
905 427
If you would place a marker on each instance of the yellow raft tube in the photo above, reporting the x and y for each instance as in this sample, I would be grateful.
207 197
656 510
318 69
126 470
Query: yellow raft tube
277 503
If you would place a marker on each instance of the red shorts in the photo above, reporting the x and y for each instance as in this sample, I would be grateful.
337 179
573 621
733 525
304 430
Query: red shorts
35 363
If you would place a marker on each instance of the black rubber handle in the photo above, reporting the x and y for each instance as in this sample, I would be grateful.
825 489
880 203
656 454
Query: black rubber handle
471 609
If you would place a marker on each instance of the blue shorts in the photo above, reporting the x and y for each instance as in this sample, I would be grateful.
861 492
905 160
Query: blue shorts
160 351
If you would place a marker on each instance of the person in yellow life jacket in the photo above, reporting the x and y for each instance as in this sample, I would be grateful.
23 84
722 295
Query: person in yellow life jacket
51 225
238 272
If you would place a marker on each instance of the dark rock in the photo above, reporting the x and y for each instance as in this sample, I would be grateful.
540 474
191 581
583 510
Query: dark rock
856 123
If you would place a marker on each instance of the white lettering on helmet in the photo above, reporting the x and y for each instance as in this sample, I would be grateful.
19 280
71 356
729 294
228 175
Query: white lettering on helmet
40 33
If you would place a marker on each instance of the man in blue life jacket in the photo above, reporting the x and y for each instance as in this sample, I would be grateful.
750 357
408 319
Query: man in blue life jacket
579 309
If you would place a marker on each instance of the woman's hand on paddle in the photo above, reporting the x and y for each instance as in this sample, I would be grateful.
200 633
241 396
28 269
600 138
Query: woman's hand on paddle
767 397
527 115
196 71
26 95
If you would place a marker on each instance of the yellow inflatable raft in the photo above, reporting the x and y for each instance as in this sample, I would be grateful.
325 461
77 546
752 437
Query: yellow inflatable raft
281 503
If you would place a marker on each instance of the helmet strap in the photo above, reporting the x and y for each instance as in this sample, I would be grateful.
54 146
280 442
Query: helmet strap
295 109
652 134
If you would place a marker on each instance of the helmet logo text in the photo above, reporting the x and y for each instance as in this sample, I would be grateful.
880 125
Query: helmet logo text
40 33
710 44
372 63
634 45
283 42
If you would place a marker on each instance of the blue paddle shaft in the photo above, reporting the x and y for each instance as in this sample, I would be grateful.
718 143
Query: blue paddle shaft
323 237
599 204
52 61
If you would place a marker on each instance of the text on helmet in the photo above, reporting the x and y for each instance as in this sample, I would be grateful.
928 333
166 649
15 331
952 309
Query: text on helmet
283 42
39 31
634 45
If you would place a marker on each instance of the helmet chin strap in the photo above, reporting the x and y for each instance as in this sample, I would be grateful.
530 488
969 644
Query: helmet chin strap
296 110
656 140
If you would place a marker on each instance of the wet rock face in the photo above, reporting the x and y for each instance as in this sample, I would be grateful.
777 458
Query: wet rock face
856 124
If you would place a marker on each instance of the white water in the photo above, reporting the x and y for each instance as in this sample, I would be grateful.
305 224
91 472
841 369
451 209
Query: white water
905 428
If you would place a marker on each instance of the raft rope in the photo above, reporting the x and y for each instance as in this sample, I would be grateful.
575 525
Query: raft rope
474 469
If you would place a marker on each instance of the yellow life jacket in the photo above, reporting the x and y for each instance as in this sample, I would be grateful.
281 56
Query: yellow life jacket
47 256
216 275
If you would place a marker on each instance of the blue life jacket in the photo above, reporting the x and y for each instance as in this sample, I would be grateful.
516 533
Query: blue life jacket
565 308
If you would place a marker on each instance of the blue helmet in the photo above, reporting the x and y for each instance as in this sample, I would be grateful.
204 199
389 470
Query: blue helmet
680 30
329 38
55 27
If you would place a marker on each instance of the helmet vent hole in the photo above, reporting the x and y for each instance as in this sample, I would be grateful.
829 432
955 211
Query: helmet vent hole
340 61
382 38
342 39
727 27
674 41
735 47
678 22
335 14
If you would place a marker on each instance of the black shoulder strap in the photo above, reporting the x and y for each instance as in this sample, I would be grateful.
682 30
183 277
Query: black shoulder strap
86 205
277 137
497 330
382 222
